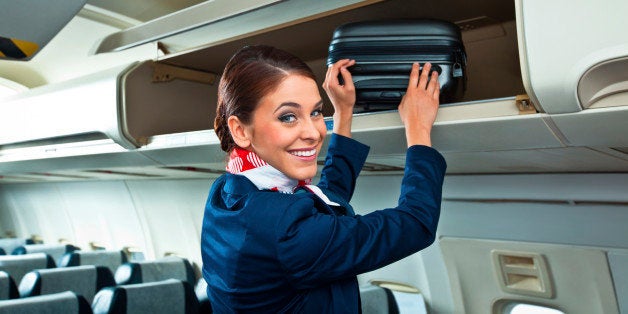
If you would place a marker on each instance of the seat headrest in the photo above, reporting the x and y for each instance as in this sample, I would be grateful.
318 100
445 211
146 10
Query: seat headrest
200 290
375 299
18 265
157 270
110 259
168 296
2 251
8 245
83 280
64 302
8 290
56 251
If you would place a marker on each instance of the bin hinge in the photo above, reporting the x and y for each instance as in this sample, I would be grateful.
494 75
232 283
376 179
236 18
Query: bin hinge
525 105
165 73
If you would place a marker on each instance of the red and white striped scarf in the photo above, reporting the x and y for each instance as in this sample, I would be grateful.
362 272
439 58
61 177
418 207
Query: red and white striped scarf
266 177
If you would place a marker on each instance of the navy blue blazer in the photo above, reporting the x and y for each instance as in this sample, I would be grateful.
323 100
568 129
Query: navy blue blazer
269 252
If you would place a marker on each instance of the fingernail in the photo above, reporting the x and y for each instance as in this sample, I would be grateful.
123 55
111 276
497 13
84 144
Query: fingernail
428 64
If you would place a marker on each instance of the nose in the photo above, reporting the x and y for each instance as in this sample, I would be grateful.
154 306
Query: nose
309 130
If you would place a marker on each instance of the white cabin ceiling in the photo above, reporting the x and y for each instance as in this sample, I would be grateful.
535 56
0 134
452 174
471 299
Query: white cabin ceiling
143 10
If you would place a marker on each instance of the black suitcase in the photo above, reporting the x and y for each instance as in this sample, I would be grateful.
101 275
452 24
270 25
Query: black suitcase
384 52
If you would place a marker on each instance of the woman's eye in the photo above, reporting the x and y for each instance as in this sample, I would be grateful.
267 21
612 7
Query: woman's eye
288 118
317 113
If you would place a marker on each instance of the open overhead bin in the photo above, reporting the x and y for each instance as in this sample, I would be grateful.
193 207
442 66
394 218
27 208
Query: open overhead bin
578 67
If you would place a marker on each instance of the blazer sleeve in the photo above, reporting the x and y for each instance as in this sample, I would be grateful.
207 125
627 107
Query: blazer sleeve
345 158
315 248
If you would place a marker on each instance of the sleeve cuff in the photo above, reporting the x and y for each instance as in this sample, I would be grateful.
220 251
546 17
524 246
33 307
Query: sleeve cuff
346 145
426 152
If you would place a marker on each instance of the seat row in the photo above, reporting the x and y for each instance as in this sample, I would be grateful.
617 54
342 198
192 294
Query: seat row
172 278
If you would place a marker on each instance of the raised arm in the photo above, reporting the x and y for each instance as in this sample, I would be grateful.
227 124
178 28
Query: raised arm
345 157
315 248
342 96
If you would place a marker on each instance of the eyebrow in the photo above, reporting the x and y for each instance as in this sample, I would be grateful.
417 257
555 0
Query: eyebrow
296 105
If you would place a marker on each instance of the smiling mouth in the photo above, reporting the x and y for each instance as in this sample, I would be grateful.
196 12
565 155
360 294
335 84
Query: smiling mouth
304 153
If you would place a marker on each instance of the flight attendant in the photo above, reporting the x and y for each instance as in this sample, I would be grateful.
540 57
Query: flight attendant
274 243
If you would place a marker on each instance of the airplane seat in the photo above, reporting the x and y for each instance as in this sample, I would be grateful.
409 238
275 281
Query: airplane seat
109 259
56 251
18 265
8 290
201 295
167 296
376 300
155 270
62 303
9 244
84 280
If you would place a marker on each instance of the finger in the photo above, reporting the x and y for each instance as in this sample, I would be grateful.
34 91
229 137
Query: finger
431 86
424 75
414 76
436 94
326 81
332 74
346 75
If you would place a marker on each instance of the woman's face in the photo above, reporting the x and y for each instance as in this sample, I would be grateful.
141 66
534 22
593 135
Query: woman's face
287 129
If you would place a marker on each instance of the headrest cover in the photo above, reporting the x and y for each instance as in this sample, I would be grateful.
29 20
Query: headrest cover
64 302
18 265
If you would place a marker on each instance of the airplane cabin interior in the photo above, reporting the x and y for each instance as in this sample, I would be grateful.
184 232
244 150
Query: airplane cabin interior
107 145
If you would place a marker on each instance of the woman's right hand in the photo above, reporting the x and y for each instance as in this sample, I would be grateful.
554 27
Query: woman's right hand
419 105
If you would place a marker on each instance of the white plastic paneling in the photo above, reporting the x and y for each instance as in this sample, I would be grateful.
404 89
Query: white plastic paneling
563 39
618 262
595 127
39 209
103 212
579 274
173 211
85 105
563 187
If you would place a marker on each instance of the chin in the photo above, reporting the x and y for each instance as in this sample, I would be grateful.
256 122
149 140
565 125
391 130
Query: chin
305 174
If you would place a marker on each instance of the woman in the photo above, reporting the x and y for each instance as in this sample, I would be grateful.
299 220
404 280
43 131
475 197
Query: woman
272 243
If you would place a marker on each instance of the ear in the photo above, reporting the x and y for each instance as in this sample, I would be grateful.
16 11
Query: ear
239 132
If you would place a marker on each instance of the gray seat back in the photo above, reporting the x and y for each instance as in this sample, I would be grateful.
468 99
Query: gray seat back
109 259
8 290
200 290
10 244
377 300
168 296
59 303
56 251
149 271
83 280
18 265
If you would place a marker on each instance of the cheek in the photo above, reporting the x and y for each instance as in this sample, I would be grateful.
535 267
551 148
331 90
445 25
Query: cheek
322 129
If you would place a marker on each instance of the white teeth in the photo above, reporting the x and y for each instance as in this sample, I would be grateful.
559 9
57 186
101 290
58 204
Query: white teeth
302 153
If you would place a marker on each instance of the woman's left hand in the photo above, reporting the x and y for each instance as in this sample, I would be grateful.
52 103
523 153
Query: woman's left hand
342 96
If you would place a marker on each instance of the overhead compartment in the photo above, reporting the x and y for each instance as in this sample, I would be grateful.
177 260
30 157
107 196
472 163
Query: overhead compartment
582 79
161 111
489 32
72 111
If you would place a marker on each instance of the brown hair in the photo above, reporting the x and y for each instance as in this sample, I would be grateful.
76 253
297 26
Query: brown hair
252 73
